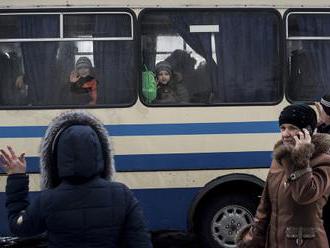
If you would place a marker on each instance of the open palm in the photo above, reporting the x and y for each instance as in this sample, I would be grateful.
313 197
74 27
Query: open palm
11 163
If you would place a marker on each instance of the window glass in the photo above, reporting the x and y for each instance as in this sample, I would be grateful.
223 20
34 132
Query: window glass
309 24
309 71
29 26
78 26
212 56
68 73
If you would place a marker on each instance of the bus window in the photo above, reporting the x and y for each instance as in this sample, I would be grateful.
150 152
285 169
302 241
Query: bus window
220 56
308 51
27 26
95 25
40 56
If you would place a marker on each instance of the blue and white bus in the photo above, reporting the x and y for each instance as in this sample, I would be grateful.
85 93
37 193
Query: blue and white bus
197 165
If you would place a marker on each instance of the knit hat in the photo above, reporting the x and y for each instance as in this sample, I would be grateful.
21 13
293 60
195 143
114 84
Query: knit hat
163 66
83 62
300 115
325 103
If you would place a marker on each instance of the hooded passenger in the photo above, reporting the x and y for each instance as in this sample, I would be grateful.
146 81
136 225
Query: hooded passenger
170 88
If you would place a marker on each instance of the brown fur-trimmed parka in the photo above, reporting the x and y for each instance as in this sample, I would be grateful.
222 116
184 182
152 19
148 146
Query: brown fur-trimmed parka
290 210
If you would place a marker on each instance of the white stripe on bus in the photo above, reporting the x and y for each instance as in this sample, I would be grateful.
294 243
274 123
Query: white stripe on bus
126 145
140 114
160 179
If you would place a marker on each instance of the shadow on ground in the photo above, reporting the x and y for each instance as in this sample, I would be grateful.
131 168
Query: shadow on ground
168 239
175 240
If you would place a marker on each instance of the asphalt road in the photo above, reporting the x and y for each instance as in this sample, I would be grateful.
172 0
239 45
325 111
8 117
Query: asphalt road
175 240
159 240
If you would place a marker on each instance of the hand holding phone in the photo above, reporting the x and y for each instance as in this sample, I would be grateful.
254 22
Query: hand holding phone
310 130
303 137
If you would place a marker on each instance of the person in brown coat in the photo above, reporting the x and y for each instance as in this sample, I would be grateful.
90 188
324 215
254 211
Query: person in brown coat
297 187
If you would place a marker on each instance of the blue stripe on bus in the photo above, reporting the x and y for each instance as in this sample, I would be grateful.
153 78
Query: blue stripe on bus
163 209
188 161
157 129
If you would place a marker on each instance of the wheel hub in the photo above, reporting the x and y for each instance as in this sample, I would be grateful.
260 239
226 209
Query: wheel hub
227 222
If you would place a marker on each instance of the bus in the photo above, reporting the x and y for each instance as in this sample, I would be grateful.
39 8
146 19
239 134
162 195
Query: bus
196 164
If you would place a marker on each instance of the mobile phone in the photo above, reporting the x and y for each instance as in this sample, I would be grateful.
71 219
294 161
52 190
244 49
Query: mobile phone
309 129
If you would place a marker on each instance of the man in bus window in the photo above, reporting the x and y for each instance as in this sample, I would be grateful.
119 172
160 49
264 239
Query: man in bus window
297 187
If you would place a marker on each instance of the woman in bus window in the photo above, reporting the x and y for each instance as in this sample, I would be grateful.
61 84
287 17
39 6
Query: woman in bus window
83 85
170 88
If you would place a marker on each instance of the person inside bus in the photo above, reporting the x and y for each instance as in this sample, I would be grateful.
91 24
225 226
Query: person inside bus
170 88
83 84
303 72
297 186
80 205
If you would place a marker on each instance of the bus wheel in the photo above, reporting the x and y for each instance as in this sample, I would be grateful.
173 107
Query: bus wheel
222 218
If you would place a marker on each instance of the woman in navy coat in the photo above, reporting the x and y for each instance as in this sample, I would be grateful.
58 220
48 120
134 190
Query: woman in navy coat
79 205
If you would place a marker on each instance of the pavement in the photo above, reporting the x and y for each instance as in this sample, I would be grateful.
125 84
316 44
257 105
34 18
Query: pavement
172 239
164 239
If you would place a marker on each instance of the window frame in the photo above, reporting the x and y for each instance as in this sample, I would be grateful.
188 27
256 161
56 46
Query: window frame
286 15
281 55
61 28
287 37
78 11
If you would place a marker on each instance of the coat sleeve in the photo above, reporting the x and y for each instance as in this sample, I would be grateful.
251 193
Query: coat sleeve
309 184
135 233
255 235
24 219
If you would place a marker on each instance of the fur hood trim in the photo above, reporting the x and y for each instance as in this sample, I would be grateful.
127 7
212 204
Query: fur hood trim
48 170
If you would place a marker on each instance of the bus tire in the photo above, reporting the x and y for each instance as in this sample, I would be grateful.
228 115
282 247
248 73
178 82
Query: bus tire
221 218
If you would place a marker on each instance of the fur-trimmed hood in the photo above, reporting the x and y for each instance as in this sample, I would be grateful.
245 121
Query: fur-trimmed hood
50 177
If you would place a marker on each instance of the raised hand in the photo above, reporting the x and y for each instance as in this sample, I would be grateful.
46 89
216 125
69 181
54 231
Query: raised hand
302 138
11 163
74 77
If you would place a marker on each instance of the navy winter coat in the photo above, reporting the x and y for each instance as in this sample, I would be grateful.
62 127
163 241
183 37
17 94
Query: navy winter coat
79 207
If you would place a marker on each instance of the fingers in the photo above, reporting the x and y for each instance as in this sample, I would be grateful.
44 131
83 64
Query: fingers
11 163
301 134
302 137
3 161
307 135
6 158
5 154
12 152
22 158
